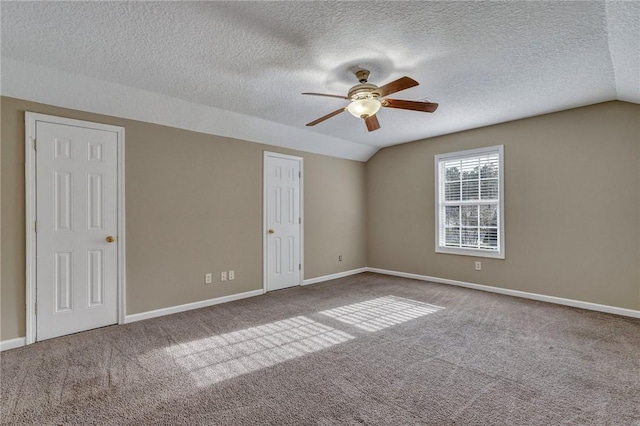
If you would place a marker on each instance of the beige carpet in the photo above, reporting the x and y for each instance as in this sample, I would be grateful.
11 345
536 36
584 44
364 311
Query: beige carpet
368 349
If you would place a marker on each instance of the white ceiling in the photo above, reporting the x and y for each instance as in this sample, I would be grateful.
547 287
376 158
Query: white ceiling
238 68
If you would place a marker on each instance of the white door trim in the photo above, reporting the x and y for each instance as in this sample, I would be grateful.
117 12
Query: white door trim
264 214
31 119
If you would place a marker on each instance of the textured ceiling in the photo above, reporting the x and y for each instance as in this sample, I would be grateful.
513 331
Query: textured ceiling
483 62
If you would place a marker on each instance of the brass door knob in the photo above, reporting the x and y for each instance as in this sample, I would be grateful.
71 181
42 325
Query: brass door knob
271 231
110 239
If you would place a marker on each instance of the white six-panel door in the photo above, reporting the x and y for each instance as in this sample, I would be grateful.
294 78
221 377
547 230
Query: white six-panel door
283 221
76 229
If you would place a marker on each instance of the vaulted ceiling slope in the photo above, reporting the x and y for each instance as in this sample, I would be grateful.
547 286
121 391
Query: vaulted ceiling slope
238 68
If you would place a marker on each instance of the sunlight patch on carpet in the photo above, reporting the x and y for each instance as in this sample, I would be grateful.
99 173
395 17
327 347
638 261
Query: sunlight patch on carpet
378 314
215 359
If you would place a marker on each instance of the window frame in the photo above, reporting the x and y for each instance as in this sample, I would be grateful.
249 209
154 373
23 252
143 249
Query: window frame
500 253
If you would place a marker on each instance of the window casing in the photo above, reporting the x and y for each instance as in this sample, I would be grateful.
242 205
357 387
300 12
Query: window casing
470 202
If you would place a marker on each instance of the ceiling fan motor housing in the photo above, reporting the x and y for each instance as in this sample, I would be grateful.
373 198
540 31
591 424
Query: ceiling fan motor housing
363 91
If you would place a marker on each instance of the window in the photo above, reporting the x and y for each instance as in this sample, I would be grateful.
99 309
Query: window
469 202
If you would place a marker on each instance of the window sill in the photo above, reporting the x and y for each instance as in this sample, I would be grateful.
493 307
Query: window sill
470 252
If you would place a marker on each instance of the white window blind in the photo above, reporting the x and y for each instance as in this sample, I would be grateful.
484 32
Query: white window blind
469 202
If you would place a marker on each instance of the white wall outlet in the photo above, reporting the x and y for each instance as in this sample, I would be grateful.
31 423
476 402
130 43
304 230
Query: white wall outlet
223 276
207 279
478 266
232 275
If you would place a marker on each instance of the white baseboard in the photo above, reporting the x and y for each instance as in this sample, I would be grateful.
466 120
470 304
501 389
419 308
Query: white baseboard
20 341
210 302
334 276
534 296
189 306
5 345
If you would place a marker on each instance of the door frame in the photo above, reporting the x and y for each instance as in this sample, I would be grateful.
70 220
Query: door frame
31 119
266 155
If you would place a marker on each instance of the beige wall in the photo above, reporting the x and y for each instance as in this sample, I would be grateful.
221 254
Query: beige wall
193 205
572 206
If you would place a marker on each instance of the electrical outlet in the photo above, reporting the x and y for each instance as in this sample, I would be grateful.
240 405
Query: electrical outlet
478 266
207 278
223 276
232 275
340 258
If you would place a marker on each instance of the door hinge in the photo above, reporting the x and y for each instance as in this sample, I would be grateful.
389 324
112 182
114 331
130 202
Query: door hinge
35 226
299 174
35 309
299 266
35 144
299 220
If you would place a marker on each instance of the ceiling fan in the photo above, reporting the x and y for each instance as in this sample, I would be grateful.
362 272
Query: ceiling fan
366 99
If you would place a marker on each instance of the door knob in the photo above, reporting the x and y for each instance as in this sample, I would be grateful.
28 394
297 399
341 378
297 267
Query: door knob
271 231
110 239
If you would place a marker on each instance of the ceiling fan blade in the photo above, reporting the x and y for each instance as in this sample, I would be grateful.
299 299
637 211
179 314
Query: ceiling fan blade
372 123
395 86
412 105
326 117
328 96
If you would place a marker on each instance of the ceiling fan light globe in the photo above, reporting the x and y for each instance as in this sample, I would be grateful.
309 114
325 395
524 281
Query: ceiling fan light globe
364 107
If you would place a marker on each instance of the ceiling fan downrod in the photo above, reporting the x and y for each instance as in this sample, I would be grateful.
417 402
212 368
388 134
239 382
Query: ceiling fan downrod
362 76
